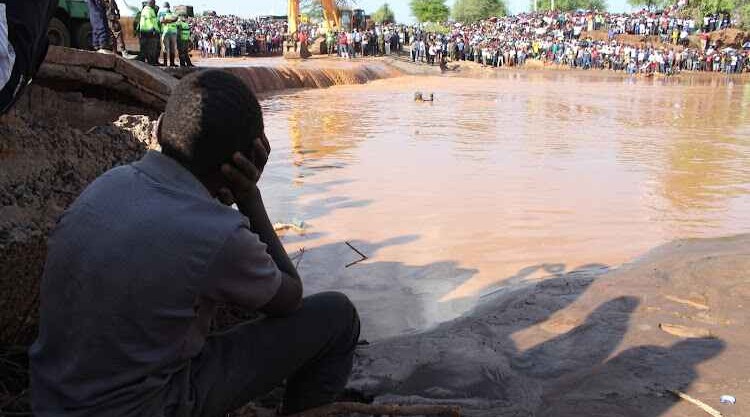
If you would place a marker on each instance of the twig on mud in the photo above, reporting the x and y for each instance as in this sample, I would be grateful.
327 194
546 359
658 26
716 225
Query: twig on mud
298 257
336 409
364 257
698 403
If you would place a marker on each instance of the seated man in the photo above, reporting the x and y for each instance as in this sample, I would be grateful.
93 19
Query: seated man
137 264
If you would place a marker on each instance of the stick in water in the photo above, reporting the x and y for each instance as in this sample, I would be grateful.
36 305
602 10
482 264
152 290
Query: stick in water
299 258
364 257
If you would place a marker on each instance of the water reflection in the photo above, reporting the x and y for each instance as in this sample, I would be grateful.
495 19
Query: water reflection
513 170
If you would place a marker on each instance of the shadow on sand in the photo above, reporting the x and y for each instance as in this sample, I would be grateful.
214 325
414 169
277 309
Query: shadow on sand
523 351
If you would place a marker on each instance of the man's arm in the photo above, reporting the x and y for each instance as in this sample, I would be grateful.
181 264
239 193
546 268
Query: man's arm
289 296
243 176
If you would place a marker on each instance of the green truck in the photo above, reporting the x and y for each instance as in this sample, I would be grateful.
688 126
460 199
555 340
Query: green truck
70 26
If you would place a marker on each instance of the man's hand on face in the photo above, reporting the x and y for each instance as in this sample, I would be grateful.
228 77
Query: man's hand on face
243 174
261 150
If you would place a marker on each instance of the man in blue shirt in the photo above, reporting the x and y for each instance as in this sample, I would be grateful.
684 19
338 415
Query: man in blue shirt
136 267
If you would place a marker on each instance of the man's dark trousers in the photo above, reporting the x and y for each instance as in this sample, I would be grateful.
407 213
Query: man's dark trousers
183 47
150 47
313 350
100 34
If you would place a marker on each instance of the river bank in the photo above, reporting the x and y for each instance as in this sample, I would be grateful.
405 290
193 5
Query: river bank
471 69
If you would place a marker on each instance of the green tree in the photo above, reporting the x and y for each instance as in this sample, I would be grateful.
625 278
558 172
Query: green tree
430 10
740 9
474 10
715 6
744 14
384 14
569 5
312 8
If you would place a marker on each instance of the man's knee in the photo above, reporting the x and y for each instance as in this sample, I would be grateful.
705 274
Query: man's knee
334 302
338 311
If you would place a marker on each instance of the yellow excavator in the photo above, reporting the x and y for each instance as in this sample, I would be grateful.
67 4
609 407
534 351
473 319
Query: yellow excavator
331 22
331 15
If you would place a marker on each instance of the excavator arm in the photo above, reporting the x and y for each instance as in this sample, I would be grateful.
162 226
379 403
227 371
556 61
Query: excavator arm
330 15
292 16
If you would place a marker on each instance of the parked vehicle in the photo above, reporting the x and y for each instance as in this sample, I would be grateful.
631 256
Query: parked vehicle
70 26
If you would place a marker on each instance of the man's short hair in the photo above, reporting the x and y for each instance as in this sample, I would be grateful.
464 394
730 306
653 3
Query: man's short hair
210 115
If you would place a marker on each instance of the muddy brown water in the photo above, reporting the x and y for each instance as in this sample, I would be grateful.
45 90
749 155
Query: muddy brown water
514 177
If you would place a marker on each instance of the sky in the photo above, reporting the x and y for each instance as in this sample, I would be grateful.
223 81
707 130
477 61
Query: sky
249 8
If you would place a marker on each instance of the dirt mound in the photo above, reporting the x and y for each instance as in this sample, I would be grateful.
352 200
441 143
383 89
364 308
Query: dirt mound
724 38
603 35
46 164
586 343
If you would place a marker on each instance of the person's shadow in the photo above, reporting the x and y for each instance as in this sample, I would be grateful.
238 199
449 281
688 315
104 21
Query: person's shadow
495 361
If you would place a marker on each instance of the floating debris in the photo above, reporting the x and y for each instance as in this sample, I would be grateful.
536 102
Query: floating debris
294 225
727 399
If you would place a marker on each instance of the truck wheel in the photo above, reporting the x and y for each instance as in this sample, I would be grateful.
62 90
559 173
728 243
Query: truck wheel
82 35
58 33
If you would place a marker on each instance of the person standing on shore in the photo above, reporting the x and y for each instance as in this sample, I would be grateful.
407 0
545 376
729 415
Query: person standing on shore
113 17
366 43
343 45
183 41
351 52
149 30
357 38
330 42
101 39
168 22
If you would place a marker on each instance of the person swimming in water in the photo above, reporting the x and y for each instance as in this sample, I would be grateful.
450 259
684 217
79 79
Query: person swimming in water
418 97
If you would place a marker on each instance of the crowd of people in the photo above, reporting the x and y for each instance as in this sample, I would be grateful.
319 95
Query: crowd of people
582 39
567 39
231 36
377 41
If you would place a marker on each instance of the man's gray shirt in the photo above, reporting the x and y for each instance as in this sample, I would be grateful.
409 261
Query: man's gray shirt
134 269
